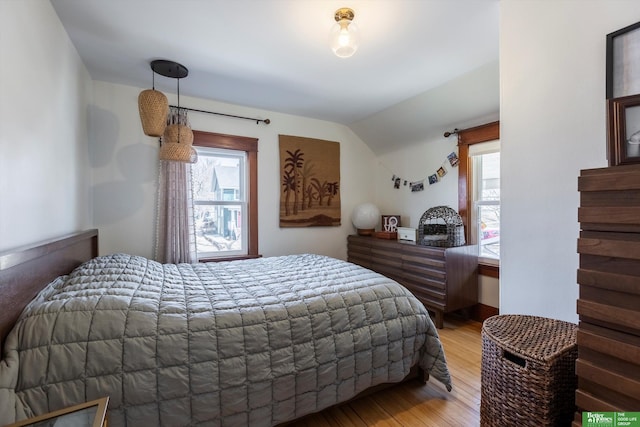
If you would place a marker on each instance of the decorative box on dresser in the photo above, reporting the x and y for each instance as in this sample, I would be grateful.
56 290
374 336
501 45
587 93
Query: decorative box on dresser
444 279
608 365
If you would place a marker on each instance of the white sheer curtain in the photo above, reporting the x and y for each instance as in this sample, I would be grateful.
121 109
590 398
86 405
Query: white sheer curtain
175 231
175 237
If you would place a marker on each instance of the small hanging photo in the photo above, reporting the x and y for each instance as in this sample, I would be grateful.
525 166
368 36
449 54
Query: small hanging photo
396 183
441 172
453 159
433 179
417 186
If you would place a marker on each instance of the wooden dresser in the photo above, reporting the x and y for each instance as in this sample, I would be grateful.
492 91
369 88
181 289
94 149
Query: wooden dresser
608 365
444 279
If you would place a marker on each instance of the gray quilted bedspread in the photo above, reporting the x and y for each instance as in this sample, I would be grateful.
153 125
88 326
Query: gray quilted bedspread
244 343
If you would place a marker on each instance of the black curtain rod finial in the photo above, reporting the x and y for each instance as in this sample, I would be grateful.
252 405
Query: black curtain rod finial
453 132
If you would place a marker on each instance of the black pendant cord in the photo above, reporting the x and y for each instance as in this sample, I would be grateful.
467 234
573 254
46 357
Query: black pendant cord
179 110
265 121
178 95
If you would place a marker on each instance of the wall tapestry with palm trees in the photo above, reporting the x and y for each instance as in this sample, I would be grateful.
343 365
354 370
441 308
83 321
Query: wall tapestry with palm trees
310 182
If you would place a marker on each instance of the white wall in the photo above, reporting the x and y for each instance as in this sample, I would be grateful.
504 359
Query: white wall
44 93
416 163
552 70
125 163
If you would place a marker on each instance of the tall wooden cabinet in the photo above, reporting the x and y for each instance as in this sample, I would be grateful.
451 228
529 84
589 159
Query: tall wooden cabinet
444 279
608 365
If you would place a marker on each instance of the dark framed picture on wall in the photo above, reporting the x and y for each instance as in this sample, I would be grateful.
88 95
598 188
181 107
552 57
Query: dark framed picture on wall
623 62
624 130
623 95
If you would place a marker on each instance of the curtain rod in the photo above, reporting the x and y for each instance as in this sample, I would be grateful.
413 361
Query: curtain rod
265 121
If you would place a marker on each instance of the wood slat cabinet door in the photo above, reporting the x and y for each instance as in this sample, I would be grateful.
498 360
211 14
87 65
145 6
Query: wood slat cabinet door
608 365
443 279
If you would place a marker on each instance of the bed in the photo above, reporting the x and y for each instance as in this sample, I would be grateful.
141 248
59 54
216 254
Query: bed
257 342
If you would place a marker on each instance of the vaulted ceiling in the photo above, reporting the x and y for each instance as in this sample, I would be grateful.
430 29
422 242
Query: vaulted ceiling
422 65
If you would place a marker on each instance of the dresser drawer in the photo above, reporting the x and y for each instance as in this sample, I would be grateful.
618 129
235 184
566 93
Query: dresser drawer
443 279
422 262
425 272
608 365
431 300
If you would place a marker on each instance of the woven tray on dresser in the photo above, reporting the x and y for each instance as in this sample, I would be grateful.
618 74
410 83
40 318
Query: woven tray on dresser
528 371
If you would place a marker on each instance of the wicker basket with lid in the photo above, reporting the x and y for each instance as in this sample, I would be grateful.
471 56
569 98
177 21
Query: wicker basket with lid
528 371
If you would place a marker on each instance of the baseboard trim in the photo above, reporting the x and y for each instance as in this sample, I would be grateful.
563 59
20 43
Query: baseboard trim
481 312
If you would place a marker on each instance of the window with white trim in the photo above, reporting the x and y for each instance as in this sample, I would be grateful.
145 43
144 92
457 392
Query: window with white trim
220 203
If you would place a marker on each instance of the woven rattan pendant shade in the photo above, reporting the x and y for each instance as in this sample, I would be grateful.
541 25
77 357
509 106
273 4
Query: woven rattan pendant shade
177 144
153 107
178 133
153 104
177 152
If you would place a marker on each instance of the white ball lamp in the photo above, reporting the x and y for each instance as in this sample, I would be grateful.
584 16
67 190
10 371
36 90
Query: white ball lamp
365 217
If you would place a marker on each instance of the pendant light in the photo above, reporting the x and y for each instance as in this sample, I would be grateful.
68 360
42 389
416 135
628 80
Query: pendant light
153 107
345 36
177 140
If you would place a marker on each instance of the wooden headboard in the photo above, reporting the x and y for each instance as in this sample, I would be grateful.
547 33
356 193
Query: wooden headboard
25 271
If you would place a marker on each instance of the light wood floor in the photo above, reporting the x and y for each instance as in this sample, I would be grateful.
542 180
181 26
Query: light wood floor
414 404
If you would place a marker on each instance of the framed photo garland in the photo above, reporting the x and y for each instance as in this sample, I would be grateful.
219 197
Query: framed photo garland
623 95
624 130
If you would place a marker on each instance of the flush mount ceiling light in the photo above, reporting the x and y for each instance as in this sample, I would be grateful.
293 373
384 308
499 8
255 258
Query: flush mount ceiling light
345 36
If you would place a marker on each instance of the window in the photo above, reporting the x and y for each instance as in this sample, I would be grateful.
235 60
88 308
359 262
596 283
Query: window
479 192
224 183
485 185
